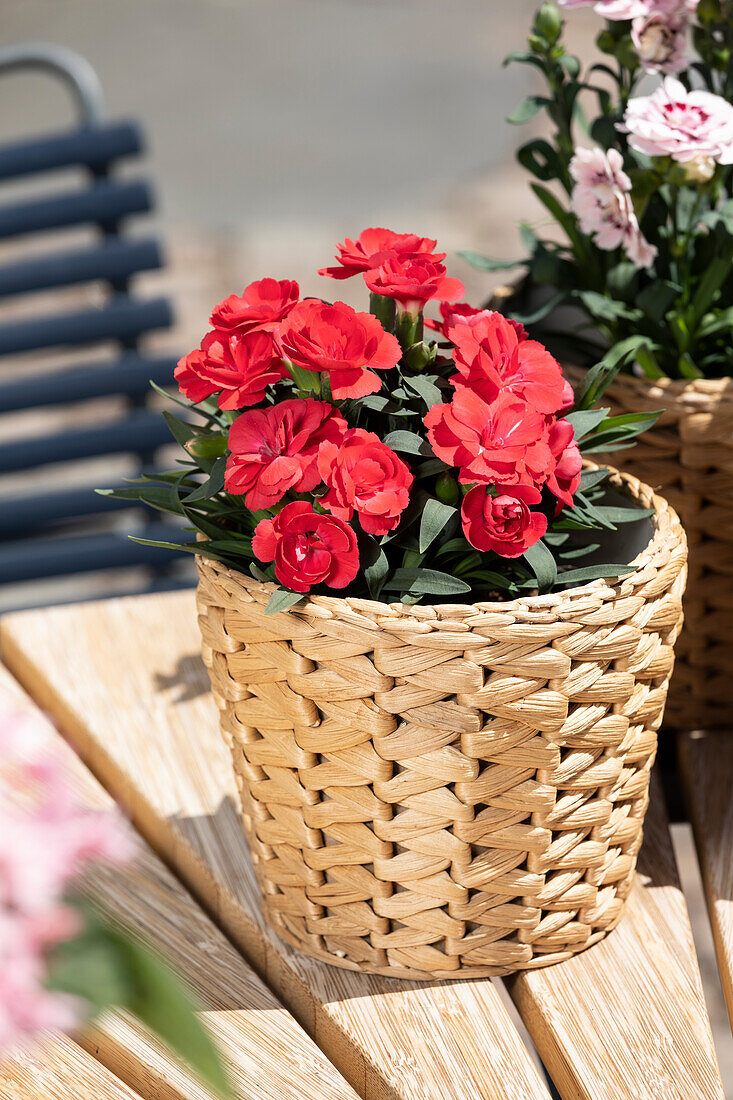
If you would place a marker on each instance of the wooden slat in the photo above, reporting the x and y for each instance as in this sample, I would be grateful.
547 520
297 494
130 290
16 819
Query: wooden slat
58 1069
269 1055
138 432
114 260
706 764
42 556
105 202
95 146
628 1017
125 681
123 318
129 374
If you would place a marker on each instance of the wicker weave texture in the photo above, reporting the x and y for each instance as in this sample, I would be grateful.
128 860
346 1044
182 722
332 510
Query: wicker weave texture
689 457
448 791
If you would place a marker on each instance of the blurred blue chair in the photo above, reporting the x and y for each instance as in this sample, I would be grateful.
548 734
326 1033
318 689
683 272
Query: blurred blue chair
66 530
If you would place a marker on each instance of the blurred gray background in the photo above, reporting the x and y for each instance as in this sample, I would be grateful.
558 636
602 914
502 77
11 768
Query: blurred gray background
277 127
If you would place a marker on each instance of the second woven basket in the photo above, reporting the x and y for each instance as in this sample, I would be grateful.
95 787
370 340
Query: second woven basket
447 791
688 456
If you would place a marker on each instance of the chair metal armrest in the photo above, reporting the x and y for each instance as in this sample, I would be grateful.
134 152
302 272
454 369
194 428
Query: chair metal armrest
73 69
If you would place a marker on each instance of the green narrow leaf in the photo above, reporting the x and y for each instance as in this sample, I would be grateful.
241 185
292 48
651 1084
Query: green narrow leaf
598 378
542 564
281 599
485 263
183 403
562 216
709 285
164 498
530 106
376 573
90 966
594 573
579 551
585 420
409 443
213 484
624 515
424 388
434 518
539 158
428 581
258 574
589 479
605 308
542 311
687 368
179 429
657 298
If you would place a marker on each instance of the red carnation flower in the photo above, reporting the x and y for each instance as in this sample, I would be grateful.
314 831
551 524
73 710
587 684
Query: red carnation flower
413 281
565 478
462 314
307 547
261 306
239 368
452 312
503 523
276 449
492 356
365 476
373 247
190 374
338 340
504 441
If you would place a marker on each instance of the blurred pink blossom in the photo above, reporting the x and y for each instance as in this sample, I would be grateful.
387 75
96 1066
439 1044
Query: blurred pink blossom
631 9
612 9
26 1007
680 124
602 204
46 839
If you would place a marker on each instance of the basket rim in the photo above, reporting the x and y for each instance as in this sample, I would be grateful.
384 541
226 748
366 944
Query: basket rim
667 535
695 392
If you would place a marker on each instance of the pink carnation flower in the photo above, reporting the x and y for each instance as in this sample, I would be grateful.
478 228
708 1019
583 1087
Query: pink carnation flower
686 126
612 9
617 10
601 202
46 839
660 36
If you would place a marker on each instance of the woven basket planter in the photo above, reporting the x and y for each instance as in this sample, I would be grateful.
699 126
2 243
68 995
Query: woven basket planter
689 457
447 791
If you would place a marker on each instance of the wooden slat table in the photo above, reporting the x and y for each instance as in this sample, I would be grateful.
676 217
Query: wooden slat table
706 763
269 1055
124 681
